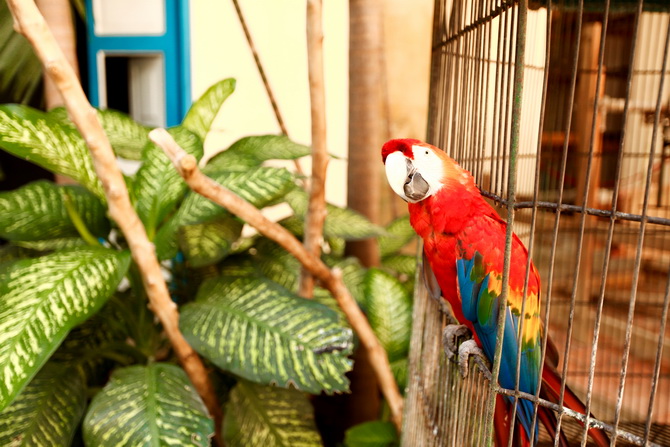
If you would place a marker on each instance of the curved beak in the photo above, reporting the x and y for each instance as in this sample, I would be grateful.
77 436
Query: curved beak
415 187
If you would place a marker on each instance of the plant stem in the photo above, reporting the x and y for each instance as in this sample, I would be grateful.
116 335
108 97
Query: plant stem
77 221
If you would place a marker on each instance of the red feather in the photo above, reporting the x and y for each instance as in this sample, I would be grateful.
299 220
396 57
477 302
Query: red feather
457 219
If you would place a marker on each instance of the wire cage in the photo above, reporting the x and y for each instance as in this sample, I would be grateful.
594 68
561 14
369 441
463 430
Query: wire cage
561 111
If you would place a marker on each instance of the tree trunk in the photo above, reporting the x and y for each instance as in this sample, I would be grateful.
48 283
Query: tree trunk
58 15
366 126
366 118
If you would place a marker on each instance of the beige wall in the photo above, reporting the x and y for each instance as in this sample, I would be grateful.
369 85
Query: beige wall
219 50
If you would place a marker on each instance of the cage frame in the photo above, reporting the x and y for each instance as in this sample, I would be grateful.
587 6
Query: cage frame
422 319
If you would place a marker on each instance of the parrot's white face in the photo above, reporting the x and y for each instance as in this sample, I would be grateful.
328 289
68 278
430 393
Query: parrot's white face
415 179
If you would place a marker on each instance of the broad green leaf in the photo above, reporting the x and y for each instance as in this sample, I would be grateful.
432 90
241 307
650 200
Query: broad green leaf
53 244
403 264
113 333
36 137
398 234
127 137
258 186
294 224
256 329
48 410
200 116
158 186
268 416
389 310
41 299
37 212
276 264
208 243
250 152
372 434
353 276
340 222
151 405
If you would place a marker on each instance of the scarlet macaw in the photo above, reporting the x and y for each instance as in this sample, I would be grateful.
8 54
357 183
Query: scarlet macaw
464 240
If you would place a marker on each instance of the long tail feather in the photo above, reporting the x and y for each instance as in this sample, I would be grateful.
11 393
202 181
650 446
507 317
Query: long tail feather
551 384
548 419
501 422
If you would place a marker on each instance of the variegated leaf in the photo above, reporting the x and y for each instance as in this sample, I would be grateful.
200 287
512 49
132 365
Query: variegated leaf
41 299
36 137
37 212
256 329
340 222
48 410
276 264
250 152
208 243
404 264
127 136
200 116
268 416
398 234
389 310
62 243
123 331
258 186
151 405
158 186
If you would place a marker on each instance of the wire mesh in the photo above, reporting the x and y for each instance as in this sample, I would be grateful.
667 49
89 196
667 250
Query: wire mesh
591 201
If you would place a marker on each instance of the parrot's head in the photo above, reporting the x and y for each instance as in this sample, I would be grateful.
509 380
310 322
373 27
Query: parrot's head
416 170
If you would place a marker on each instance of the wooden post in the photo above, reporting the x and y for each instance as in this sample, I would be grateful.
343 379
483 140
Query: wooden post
583 121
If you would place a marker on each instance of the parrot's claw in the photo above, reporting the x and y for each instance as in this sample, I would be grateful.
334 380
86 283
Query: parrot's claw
450 337
465 350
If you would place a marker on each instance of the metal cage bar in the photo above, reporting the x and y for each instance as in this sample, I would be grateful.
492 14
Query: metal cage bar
554 108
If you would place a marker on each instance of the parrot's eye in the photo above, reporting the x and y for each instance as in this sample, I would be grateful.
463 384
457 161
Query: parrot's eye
426 152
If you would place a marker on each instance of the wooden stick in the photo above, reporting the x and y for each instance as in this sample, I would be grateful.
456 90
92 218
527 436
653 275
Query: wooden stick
316 212
29 22
187 166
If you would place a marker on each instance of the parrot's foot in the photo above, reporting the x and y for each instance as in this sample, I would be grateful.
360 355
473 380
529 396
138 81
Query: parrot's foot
450 337
469 347
465 350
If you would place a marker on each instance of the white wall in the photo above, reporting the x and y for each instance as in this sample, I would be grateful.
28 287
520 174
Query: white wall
219 50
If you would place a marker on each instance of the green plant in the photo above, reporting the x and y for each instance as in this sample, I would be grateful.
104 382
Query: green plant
81 355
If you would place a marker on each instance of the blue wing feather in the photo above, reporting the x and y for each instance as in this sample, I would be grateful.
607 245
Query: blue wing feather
480 306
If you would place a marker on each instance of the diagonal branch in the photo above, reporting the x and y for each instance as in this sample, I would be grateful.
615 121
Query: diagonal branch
29 22
331 279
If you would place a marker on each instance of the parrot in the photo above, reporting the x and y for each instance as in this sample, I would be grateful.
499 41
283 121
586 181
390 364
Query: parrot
463 244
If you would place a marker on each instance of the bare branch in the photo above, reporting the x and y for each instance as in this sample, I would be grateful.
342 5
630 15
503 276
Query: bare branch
332 280
316 212
29 22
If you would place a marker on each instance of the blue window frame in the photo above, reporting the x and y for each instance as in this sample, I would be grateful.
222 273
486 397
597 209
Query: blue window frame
173 45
